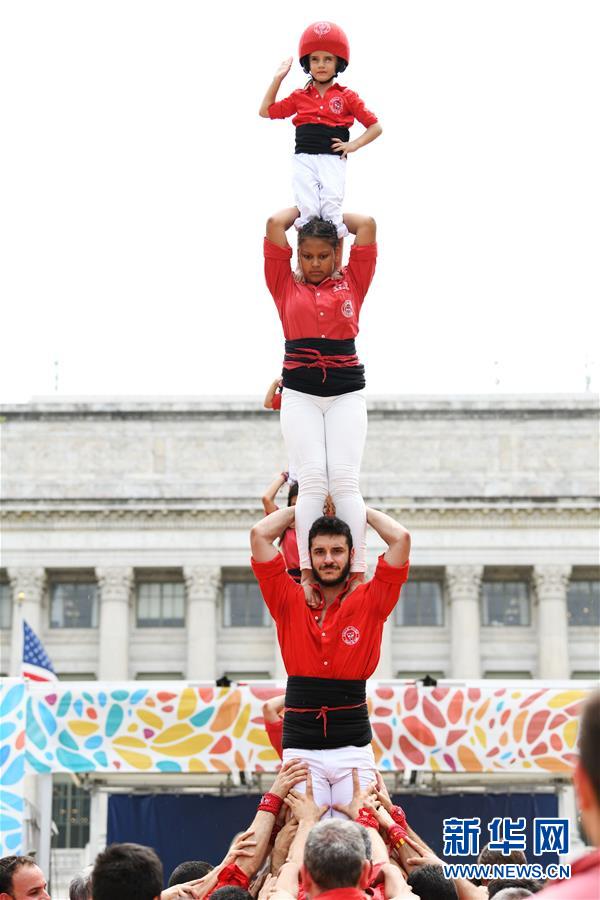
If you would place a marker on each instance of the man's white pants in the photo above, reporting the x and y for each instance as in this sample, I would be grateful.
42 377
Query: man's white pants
331 772
319 181
325 437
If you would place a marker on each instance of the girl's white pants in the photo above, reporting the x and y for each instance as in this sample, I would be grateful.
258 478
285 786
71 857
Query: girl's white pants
319 181
325 437
331 773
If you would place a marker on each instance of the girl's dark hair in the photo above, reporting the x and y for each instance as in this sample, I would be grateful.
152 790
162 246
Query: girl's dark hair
340 66
323 229
293 492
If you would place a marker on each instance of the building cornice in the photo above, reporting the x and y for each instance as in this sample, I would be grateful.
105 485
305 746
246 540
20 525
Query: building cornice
199 514
405 406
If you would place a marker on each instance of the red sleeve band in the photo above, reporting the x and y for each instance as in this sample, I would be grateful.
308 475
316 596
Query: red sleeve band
399 816
365 817
270 803
397 835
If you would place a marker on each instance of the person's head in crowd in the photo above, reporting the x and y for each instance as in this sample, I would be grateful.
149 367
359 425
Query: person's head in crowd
330 548
489 857
293 493
22 879
428 883
497 887
80 887
335 857
189 871
231 892
587 771
127 872
512 893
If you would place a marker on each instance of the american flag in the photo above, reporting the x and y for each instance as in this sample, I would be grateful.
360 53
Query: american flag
36 662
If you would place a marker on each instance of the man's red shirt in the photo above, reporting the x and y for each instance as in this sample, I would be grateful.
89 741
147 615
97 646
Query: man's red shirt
327 310
347 643
339 107
584 883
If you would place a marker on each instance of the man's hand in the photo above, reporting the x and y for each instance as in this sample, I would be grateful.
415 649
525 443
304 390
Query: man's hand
359 797
303 806
190 889
421 857
343 147
242 845
382 793
282 844
291 773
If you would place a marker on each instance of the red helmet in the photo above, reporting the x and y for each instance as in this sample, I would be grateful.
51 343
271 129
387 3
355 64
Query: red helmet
325 36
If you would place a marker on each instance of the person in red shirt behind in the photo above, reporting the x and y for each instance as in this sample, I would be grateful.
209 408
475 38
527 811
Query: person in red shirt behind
323 409
584 883
329 652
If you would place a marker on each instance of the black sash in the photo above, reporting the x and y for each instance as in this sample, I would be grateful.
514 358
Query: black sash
317 138
334 713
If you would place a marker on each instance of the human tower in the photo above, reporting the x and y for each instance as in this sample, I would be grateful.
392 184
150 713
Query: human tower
330 624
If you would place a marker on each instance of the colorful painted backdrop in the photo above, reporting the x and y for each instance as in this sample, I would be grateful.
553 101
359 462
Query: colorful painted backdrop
107 727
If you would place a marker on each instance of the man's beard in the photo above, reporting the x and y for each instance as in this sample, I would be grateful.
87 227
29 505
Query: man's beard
337 581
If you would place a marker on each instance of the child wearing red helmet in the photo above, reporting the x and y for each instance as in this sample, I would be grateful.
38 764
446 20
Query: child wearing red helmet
323 115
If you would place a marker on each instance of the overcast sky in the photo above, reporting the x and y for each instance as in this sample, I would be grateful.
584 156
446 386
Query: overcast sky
137 177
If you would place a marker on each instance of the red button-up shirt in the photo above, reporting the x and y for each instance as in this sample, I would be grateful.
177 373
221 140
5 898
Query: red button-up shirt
338 107
347 643
584 883
327 310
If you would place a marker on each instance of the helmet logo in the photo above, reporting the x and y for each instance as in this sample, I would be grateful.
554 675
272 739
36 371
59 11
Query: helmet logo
336 105
350 635
347 308
321 28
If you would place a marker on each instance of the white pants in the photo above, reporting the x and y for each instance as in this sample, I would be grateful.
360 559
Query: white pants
325 436
331 772
319 180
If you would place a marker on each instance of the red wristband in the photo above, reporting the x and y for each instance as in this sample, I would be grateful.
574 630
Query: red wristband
270 803
365 817
399 816
397 835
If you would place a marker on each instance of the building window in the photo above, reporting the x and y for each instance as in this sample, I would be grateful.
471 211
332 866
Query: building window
76 676
160 604
5 605
73 604
421 604
583 603
243 605
505 603
235 677
71 813
517 675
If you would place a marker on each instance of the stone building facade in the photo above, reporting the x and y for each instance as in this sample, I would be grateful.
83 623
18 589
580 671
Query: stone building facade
125 534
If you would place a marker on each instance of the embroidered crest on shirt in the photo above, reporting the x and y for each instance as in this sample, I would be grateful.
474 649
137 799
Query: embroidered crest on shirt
347 308
336 105
322 28
350 635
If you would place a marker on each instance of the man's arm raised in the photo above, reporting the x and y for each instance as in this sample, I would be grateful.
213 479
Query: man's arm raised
265 532
395 536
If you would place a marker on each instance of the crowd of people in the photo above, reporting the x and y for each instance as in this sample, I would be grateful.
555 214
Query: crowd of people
293 850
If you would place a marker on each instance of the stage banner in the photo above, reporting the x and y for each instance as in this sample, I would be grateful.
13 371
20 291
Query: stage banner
108 727
12 764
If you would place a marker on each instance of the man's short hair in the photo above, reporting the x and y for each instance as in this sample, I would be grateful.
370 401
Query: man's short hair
589 741
329 525
428 881
334 853
521 884
8 866
127 872
80 887
489 857
231 892
188 871
513 893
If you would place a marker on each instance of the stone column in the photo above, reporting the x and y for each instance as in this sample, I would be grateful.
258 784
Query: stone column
463 584
115 593
27 586
553 625
203 584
